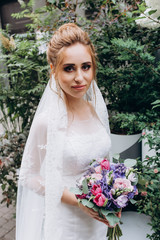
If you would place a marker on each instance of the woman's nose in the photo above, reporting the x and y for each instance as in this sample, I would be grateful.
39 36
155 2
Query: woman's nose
79 76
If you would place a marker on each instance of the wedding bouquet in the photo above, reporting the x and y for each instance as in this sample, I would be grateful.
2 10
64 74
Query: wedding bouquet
107 188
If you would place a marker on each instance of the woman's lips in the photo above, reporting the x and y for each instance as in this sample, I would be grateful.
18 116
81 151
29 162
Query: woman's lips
79 87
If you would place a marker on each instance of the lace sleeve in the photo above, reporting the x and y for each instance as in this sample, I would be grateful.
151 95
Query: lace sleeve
32 167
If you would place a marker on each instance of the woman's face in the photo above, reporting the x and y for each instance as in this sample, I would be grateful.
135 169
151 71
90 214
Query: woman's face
75 72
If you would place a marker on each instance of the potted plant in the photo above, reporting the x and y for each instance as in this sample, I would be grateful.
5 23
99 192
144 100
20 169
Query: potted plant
126 130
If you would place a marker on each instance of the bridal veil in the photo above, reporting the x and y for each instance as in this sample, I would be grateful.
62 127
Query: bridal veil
40 184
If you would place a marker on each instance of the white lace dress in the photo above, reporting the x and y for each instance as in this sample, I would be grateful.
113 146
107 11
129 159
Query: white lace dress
85 141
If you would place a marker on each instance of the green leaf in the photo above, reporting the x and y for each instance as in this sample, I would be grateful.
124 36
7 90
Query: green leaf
76 191
105 203
142 7
85 186
112 219
152 11
116 156
3 186
130 162
132 201
87 203
105 212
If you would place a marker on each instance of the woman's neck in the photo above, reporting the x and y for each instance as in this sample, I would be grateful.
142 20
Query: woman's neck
78 109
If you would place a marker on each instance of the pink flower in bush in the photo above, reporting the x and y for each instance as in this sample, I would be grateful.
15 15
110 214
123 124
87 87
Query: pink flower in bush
96 189
143 134
122 183
144 193
155 170
105 164
99 199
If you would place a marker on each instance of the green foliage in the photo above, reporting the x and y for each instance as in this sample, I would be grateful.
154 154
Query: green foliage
26 71
11 150
126 123
131 123
132 80
156 104
150 200
128 72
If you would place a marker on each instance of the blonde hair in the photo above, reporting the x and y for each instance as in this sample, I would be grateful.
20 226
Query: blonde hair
67 35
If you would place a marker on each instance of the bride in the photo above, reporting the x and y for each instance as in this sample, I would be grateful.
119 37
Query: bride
69 130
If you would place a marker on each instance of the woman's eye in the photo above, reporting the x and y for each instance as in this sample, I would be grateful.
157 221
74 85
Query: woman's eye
86 67
68 69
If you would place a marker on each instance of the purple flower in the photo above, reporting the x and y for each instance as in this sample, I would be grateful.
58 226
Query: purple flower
119 170
132 194
122 201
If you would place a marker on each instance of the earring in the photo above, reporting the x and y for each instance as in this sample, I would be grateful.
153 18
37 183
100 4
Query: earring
58 87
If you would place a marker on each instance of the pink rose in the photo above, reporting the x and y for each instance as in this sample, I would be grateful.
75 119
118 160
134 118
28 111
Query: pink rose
99 199
105 164
96 189
122 183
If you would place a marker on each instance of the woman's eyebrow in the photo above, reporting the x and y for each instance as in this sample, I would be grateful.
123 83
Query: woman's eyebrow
73 64
87 62
68 64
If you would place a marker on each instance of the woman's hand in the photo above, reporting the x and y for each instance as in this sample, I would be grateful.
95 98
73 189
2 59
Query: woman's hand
90 212
70 198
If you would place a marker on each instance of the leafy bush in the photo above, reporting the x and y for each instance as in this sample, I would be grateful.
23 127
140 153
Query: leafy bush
27 74
131 123
126 123
11 150
150 201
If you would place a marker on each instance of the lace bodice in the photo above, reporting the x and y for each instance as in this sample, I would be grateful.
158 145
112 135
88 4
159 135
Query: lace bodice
85 141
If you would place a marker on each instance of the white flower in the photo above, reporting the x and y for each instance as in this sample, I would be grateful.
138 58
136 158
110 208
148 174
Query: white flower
122 200
132 177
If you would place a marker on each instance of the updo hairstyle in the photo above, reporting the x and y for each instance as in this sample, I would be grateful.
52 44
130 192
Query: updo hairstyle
67 35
